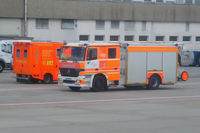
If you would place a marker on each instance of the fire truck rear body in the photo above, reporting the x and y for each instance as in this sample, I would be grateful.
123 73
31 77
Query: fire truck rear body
36 61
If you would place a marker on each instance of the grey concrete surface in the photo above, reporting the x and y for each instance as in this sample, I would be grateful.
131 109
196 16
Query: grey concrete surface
179 115
87 10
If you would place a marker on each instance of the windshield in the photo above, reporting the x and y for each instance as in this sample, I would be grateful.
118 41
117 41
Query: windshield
72 53
6 48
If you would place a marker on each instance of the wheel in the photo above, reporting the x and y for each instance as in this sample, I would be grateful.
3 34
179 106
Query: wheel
99 83
75 88
34 80
1 67
154 82
47 78
30 80
17 80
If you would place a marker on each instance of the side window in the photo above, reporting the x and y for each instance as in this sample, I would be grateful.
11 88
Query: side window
58 52
25 53
112 53
92 54
18 53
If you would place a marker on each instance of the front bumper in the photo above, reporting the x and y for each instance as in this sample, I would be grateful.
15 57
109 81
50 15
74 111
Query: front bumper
22 76
80 81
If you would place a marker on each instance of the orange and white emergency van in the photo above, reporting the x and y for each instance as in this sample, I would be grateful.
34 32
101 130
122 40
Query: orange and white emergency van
99 66
33 61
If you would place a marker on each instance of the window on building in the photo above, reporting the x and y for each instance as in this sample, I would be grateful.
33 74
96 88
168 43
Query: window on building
188 1
180 1
100 24
186 38
128 38
114 24
112 53
114 38
129 25
197 38
197 2
159 1
159 38
170 1
42 23
147 0
128 0
144 25
67 24
143 38
92 54
25 53
99 38
173 38
83 37
18 53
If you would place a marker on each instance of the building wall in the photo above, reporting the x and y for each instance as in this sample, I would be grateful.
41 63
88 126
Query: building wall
152 30
83 10
159 19
12 8
88 27
53 33
10 27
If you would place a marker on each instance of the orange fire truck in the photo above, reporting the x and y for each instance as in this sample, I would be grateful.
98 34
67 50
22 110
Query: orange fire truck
99 66
33 61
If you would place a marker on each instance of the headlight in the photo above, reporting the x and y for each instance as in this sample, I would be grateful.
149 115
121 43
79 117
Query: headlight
81 78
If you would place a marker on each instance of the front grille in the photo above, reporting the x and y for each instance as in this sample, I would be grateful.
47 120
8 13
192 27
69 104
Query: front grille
71 72
68 81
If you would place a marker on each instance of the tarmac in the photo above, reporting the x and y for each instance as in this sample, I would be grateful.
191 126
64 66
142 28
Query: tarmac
50 108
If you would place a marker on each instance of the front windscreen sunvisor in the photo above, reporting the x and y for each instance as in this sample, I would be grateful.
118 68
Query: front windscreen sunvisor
72 53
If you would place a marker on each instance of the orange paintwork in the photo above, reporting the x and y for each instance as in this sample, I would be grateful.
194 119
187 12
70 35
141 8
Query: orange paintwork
80 65
110 67
152 49
41 59
150 73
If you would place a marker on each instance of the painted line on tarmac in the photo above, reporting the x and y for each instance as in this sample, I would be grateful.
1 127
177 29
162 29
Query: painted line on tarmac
102 101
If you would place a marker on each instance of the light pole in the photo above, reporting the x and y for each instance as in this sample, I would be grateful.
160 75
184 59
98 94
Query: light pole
25 18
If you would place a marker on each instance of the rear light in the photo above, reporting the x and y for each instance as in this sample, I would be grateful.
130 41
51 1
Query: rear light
184 76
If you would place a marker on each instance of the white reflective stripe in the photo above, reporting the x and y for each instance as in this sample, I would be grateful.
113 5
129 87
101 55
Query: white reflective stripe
107 59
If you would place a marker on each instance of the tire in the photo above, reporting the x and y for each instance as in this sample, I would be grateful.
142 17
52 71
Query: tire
75 88
99 83
154 82
18 80
1 67
47 79
30 80
34 80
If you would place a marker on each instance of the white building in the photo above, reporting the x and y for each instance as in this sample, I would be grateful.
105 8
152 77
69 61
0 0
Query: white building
102 20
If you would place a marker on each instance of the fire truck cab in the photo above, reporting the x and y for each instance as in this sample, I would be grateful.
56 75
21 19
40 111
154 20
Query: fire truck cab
99 66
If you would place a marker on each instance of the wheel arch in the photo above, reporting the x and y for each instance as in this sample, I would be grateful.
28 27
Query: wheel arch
2 61
48 74
98 74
